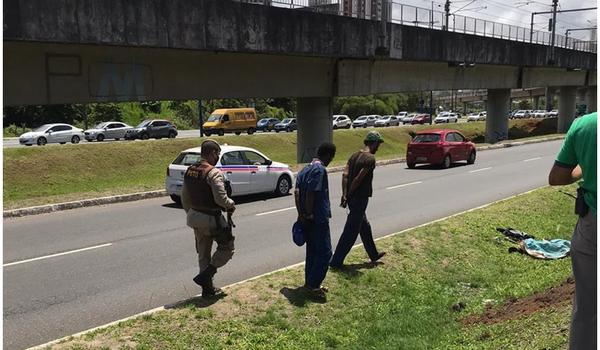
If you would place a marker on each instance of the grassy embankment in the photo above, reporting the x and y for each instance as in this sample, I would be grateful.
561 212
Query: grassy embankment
405 303
42 175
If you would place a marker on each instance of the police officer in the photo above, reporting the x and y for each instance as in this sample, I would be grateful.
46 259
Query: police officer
203 198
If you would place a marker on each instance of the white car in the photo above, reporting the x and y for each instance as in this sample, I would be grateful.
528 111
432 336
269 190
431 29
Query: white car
409 118
520 114
474 117
52 133
446 117
107 130
553 113
540 114
387 120
246 170
401 115
341 122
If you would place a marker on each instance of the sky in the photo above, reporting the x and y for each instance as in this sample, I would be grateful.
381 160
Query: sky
518 12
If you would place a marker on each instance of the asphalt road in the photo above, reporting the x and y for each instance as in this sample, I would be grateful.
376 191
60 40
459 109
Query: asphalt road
143 254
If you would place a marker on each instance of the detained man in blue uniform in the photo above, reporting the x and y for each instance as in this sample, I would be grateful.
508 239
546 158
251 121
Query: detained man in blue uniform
314 212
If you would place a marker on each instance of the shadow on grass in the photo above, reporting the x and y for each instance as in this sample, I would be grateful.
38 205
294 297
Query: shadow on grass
299 296
353 270
197 301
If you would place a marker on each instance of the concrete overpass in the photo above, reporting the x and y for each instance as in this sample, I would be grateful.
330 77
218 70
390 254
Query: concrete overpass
79 51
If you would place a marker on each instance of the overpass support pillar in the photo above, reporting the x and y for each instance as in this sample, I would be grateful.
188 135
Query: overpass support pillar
314 126
549 98
496 123
566 108
591 99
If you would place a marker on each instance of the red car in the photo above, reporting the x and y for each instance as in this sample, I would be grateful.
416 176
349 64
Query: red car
439 146
421 119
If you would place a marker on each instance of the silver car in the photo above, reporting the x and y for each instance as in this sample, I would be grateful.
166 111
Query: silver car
107 130
387 120
247 171
52 133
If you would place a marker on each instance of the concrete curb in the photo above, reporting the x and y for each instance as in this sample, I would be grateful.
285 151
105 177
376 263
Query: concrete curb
83 203
160 193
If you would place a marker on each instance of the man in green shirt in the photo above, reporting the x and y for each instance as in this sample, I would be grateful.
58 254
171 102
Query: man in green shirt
577 161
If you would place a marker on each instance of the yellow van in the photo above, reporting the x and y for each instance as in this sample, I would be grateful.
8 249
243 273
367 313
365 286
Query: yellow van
235 120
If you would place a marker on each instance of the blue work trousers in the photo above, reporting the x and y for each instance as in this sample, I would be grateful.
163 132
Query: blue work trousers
355 223
318 254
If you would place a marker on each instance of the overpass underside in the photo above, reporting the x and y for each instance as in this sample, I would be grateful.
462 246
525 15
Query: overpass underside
45 73
142 50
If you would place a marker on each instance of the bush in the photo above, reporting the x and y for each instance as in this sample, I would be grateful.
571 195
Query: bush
14 131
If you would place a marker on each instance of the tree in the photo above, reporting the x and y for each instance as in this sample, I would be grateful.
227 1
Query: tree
524 104
103 112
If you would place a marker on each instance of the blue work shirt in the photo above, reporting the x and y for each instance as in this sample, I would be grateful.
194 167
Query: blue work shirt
313 178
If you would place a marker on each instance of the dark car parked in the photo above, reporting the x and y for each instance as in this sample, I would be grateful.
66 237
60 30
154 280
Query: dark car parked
152 128
266 124
288 124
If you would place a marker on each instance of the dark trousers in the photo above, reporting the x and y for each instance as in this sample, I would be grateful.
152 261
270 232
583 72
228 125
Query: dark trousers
583 258
355 223
318 254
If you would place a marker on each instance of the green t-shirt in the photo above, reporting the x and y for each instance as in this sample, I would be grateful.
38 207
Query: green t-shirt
580 148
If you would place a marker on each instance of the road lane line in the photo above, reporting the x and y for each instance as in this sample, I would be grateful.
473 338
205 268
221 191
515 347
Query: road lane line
404 185
57 254
478 170
532 159
275 211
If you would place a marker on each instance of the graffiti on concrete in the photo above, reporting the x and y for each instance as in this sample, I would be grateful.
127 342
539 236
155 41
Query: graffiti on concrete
120 81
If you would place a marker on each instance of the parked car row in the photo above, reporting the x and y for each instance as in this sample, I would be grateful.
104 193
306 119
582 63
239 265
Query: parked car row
527 113
63 133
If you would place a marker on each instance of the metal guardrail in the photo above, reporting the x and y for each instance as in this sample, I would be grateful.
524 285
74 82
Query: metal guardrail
428 18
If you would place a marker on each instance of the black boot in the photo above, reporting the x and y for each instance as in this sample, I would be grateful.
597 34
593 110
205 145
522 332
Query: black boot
205 280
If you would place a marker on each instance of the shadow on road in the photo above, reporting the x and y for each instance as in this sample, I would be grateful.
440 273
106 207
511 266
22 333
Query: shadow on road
238 200
436 166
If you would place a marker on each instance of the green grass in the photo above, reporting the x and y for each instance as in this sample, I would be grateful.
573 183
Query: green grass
43 175
402 304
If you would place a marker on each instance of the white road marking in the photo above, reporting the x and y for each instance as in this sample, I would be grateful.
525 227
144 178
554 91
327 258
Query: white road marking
275 211
57 254
161 308
478 170
532 159
404 185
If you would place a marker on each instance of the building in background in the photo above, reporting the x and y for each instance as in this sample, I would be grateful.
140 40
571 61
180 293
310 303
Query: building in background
368 9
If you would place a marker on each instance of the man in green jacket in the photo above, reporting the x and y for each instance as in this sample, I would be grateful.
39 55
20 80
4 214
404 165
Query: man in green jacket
577 161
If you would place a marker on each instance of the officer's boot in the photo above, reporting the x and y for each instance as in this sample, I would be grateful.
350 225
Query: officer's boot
205 280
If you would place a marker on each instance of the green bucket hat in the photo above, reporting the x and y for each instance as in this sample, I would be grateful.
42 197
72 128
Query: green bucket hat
374 136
